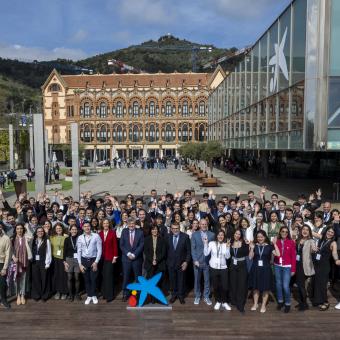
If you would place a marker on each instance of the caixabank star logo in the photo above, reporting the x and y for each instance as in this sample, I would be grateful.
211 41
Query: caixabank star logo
146 287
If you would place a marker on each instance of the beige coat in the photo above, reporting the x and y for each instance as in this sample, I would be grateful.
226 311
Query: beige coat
308 266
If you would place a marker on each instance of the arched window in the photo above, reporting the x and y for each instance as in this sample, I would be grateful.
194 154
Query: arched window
103 134
168 109
152 133
152 110
185 108
200 133
119 110
85 110
102 110
55 87
118 133
135 109
135 133
86 134
185 132
201 108
170 133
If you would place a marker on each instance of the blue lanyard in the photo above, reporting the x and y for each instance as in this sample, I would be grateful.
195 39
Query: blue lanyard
261 252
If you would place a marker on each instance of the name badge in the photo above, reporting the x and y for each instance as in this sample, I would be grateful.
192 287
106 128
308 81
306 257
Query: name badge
75 255
235 262
297 257
318 257
37 257
260 263
59 252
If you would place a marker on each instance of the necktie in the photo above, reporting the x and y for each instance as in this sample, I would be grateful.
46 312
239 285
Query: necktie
175 241
131 238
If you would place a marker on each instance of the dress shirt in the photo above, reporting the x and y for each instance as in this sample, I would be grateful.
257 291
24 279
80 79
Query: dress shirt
219 254
89 246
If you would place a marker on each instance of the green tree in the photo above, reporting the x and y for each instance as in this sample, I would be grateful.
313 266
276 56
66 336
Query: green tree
213 149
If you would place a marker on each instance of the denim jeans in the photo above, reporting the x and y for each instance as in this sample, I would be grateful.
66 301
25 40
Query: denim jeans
203 268
282 280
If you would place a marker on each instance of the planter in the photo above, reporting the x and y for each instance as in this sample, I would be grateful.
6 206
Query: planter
55 186
81 178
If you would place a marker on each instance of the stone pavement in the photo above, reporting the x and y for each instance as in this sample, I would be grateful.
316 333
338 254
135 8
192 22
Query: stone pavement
121 182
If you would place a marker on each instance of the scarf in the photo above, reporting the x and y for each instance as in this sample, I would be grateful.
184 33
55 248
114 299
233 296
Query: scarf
21 254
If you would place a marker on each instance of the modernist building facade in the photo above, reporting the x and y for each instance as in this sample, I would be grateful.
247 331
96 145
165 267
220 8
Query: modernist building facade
126 115
284 95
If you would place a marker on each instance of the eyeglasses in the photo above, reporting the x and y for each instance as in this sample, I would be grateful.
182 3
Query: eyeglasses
284 232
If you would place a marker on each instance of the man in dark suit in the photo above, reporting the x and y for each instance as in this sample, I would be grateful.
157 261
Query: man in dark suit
178 257
131 245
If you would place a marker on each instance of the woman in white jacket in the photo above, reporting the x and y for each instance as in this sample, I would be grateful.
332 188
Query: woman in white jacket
220 252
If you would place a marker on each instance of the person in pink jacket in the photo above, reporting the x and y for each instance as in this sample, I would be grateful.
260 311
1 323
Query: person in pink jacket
284 267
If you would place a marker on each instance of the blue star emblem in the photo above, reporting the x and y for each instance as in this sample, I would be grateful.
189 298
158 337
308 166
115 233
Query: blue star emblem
148 287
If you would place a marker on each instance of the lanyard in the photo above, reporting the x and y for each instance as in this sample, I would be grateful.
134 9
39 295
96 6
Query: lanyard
73 246
235 250
60 240
219 250
261 251
323 244
87 244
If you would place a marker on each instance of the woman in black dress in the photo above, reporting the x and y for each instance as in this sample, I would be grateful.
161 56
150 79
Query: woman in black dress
154 255
326 248
238 272
261 271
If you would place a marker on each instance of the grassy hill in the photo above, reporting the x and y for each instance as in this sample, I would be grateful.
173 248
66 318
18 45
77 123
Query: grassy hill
20 82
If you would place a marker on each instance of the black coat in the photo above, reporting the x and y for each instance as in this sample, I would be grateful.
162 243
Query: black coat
175 258
160 253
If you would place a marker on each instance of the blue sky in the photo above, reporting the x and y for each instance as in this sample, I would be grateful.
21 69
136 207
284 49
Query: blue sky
75 29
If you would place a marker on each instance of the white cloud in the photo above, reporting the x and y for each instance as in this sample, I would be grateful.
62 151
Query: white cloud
145 11
29 53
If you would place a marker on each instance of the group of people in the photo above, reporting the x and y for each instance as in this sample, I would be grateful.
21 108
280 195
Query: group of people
228 249
9 176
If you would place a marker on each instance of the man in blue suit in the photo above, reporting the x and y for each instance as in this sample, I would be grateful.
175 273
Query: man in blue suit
178 252
200 262
131 245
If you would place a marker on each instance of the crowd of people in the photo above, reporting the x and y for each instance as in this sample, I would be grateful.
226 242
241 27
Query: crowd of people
231 248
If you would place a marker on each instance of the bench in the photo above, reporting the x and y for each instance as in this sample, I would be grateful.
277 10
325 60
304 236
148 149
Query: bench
209 182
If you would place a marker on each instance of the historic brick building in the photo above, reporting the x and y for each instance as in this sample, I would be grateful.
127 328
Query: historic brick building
130 115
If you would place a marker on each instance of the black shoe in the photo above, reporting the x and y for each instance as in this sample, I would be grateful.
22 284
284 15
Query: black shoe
279 306
109 300
287 309
5 304
125 298
182 301
70 298
173 299
78 297
303 307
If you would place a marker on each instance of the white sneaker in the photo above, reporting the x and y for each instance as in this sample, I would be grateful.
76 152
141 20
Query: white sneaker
94 300
217 306
88 300
197 301
226 306
337 306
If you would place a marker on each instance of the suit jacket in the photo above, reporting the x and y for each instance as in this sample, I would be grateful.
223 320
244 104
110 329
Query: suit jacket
136 248
197 246
160 253
175 258
110 247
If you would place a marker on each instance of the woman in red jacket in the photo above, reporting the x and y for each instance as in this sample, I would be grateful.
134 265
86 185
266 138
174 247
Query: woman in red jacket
109 257
284 266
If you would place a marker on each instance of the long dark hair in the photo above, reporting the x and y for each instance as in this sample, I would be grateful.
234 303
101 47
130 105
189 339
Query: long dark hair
300 233
15 232
241 237
35 236
288 234
220 231
323 239
264 234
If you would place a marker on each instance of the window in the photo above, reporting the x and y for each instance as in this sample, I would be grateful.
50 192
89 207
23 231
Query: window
135 109
86 134
55 87
185 133
102 134
168 109
85 110
119 110
201 108
118 133
152 109
185 110
135 133
170 133
152 133
102 110
200 133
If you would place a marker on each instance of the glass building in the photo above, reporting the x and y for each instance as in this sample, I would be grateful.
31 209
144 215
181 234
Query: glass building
284 95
